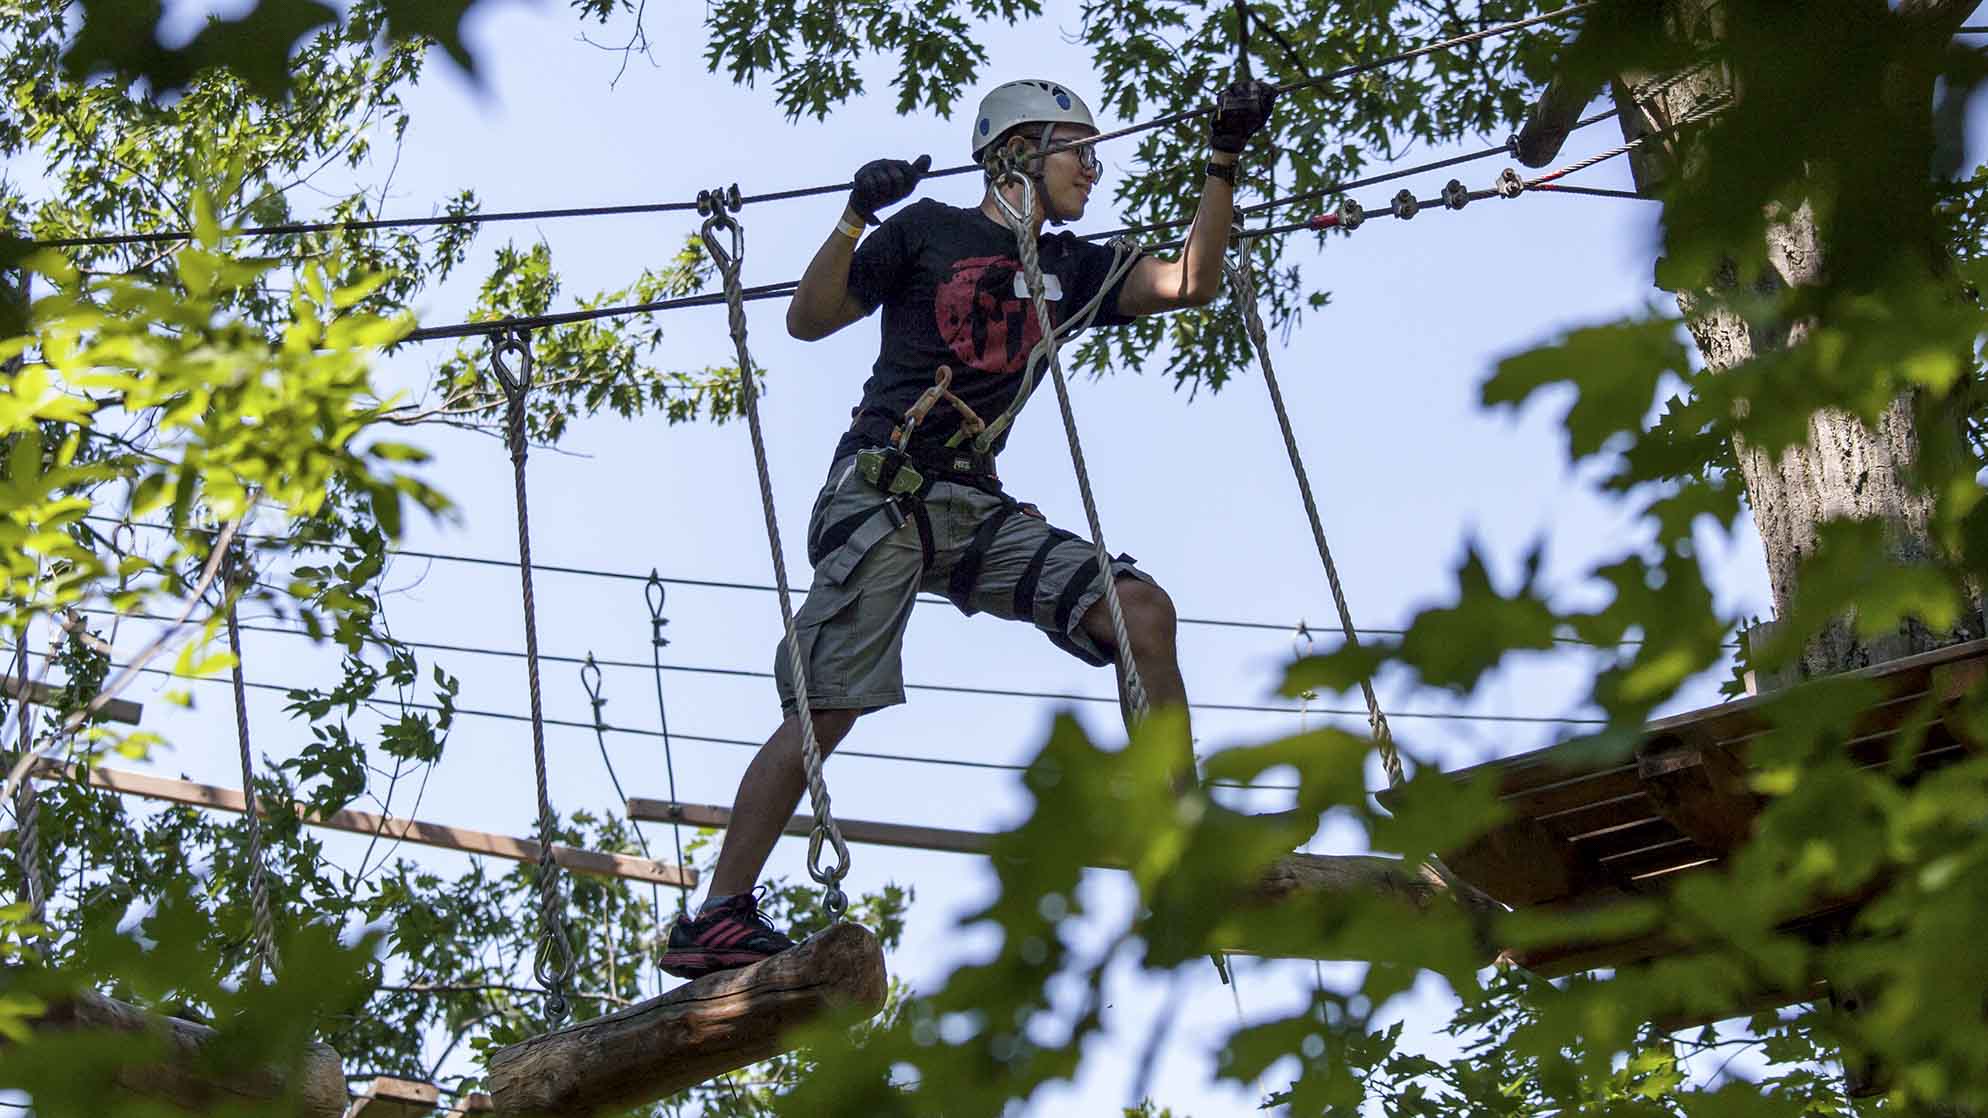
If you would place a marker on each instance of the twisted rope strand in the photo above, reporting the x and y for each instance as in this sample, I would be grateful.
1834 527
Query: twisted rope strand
263 921
730 261
553 962
1025 245
1244 277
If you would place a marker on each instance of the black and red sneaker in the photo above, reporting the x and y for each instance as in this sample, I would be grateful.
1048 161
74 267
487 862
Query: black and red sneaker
732 933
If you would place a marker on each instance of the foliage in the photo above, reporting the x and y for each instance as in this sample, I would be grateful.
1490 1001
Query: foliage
1839 131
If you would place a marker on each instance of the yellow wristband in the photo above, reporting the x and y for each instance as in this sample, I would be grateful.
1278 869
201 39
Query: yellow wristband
853 232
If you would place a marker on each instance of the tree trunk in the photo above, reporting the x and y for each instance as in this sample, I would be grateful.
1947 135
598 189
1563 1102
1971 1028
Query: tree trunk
1847 470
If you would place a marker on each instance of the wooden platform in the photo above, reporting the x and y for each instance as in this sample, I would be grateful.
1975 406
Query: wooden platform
1582 836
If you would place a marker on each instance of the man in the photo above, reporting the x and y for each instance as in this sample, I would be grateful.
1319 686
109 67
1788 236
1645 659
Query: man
912 501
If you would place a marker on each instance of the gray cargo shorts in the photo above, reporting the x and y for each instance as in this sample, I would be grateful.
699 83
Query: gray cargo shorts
986 553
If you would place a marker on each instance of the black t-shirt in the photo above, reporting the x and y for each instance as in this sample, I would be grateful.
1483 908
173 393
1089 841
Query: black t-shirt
953 294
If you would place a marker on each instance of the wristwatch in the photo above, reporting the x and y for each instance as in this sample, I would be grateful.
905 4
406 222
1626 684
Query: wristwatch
1224 171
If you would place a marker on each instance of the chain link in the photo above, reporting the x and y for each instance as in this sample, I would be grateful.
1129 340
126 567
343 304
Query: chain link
553 962
826 834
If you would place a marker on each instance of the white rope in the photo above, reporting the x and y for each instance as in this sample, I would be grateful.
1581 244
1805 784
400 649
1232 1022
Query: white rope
1025 243
1243 276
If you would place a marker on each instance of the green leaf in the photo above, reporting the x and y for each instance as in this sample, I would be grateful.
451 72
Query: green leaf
1615 368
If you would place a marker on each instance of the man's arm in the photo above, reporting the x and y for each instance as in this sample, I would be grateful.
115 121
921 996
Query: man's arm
822 303
1155 285
1193 279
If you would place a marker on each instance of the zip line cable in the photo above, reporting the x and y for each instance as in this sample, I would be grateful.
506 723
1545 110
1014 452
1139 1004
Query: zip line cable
299 228
784 289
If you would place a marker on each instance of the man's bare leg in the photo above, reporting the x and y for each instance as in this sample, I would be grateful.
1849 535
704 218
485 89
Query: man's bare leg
768 794
1154 628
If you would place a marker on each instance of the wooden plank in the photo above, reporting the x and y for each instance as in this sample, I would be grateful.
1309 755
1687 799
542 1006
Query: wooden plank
1700 788
476 1102
1522 863
366 823
941 839
701 1029
387 1097
1898 679
43 694
179 1078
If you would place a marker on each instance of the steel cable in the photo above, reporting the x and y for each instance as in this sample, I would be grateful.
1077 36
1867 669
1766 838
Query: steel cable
730 260
263 921
1243 276
653 594
553 962
300 228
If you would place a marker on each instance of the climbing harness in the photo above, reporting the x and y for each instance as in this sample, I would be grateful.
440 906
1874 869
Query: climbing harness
234 581
717 207
1025 244
552 963
890 467
652 592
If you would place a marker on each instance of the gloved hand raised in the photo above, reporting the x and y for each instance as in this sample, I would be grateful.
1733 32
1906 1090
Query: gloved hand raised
884 182
1240 112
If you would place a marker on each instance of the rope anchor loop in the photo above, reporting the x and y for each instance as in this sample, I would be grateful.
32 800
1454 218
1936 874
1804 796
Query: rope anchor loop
654 592
590 678
513 343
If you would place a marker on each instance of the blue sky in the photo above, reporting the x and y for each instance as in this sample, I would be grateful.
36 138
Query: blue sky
1382 384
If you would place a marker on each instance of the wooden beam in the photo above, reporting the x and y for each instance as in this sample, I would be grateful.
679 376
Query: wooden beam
854 830
43 694
366 823
1522 863
180 1078
476 1102
701 1029
1700 787
1550 120
387 1097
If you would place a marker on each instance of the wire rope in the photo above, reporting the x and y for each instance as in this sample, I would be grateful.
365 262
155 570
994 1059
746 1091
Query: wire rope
553 963
646 208
730 259
263 921
655 595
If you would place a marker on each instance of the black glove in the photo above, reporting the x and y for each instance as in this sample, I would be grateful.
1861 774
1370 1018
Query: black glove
1240 112
885 182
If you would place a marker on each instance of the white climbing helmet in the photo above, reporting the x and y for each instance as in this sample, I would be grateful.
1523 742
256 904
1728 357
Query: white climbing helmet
1030 101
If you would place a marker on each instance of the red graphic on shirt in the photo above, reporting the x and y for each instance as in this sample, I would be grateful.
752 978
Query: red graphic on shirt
979 316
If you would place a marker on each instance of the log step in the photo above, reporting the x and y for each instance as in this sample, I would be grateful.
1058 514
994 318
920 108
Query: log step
178 1079
716 1024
